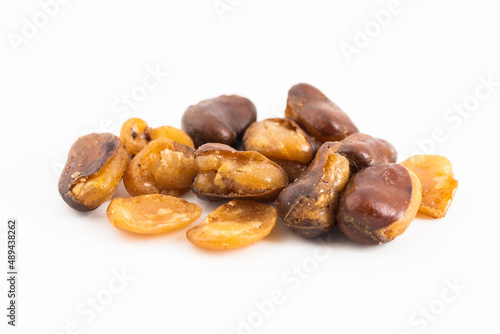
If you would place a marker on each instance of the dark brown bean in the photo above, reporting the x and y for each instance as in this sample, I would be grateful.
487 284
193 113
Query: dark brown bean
379 203
365 151
223 119
308 206
319 116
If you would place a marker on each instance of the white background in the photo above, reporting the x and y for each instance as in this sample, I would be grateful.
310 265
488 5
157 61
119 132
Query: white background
65 79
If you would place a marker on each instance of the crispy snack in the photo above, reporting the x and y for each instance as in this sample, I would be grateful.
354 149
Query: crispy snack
308 206
151 214
235 224
175 134
282 141
379 203
225 173
163 167
319 116
136 135
365 151
93 171
438 184
223 119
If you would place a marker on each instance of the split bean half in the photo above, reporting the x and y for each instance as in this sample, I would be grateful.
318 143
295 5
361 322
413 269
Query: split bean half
235 224
438 184
151 214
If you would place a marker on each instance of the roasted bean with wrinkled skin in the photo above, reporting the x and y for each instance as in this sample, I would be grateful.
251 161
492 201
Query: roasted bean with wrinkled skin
319 116
235 224
151 214
93 171
282 141
223 119
164 166
365 151
438 184
225 173
308 206
379 203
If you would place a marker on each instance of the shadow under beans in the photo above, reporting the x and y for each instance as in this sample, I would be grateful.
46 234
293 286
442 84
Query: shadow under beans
280 232
220 252
94 217
144 237
424 217
336 239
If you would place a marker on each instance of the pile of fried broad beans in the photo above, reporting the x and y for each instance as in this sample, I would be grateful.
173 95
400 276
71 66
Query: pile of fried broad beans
312 168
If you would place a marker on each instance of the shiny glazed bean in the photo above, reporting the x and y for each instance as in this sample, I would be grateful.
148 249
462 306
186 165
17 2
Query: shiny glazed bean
93 171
